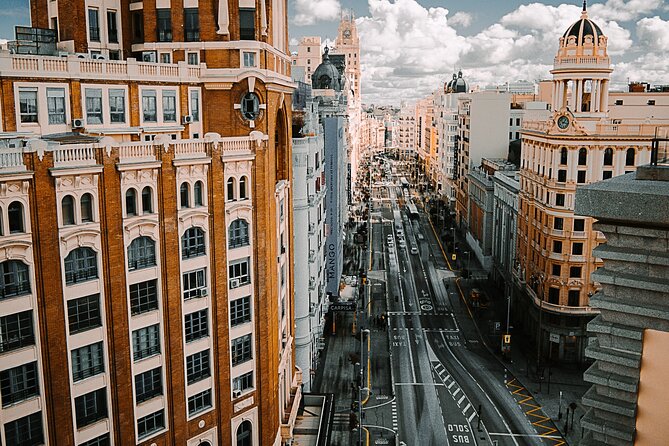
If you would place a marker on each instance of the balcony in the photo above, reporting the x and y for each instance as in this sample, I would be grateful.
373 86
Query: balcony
11 160
290 411
74 155
560 309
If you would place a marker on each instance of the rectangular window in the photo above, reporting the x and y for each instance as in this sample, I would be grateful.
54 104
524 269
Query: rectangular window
557 270
194 284
240 349
199 402
247 24
146 342
557 246
164 24
559 199
243 382
579 225
102 440
87 361
195 105
93 25
575 272
574 298
558 223
191 25
165 57
112 28
25 431
93 106
149 106
148 385
150 424
198 367
238 272
16 331
240 311
55 101
117 105
137 26
91 407
562 176
577 249
580 178
169 106
28 105
19 383
197 326
84 313
143 297
193 58
249 59
607 174
554 296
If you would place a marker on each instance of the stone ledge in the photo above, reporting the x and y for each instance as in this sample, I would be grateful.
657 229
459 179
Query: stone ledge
619 279
607 251
619 357
596 376
623 408
620 306
613 433
599 325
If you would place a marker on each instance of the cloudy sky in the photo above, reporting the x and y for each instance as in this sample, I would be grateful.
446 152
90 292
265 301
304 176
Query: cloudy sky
409 47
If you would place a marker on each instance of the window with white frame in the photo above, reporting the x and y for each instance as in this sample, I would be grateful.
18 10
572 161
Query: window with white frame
117 105
169 106
198 367
239 272
238 234
150 424
195 105
87 361
148 384
141 253
193 58
196 325
55 100
93 106
165 57
194 283
249 58
149 110
145 342
199 402
240 311
243 382
19 383
28 105
241 349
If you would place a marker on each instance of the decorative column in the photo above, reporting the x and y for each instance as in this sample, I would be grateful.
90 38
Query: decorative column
223 17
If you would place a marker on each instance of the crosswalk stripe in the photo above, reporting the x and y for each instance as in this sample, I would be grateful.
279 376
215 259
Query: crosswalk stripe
451 385
461 399
456 390
464 411
471 417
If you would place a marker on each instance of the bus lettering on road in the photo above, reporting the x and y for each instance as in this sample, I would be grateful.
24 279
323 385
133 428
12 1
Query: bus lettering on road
459 433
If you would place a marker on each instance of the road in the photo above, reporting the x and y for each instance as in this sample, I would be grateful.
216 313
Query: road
449 388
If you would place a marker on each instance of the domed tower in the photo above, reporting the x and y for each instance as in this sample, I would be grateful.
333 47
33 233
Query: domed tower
457 84
581 73
326 76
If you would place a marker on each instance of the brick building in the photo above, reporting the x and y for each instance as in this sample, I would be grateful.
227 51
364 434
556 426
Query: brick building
146 237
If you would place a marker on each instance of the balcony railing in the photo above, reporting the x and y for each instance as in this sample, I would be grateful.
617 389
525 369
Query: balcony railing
16 342
146 352
290 411
18 396
15 290
88 372
72 277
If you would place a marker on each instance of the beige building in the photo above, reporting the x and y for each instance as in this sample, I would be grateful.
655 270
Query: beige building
591 136
308 56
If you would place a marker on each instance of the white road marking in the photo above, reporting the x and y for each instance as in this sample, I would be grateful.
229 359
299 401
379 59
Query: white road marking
461 399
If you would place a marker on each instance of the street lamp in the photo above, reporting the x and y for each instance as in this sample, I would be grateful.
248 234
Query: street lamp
539 278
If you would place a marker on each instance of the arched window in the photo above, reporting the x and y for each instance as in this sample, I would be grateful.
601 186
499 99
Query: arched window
192 243
141 253
563 155
197 191
238 234
608 157
244 434
147 200
629 156
81 265
15 215
231 189
582 156
86 208
131 202
15 280
185 195
242 188
67 208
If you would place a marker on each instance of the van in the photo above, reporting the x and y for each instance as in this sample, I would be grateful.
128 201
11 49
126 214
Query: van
414 249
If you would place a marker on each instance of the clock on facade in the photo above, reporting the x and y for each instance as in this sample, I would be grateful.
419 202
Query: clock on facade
563 122
347 33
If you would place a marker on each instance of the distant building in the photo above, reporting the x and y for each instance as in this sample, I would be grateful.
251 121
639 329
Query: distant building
308 56
506 188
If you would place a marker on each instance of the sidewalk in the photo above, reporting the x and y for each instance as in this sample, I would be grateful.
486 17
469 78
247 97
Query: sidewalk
555 388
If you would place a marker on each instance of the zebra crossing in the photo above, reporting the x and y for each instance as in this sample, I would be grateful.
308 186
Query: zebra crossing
426 330
456 392
341 421
393 408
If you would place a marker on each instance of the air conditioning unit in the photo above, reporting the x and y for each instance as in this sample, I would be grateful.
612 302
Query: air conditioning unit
234 283
203 292
77 123
236 393
188 119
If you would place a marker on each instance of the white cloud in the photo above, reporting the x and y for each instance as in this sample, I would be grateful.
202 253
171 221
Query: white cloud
409 50
309 12
653 33
460 18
